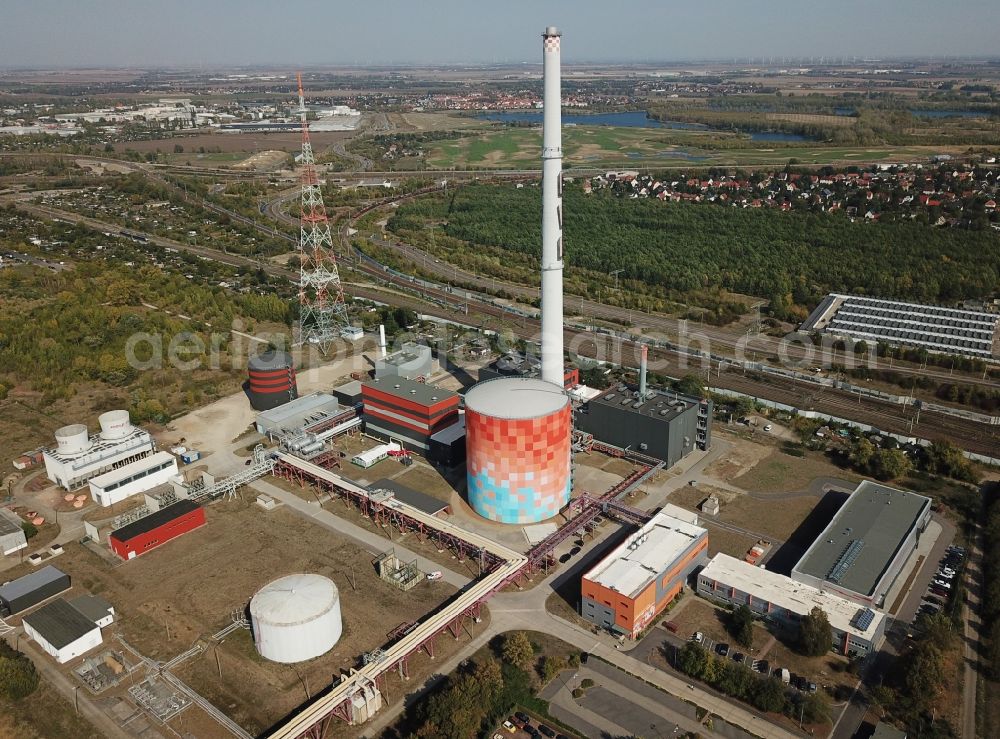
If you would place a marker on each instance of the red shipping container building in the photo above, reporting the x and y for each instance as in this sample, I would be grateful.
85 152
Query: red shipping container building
157 528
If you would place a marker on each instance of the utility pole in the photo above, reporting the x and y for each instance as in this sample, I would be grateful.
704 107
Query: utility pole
616 272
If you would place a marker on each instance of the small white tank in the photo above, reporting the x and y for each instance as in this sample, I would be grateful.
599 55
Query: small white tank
114 425
296 618
72 439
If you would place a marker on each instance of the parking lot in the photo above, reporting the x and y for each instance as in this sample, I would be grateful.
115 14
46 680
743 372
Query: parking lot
520 725
936 595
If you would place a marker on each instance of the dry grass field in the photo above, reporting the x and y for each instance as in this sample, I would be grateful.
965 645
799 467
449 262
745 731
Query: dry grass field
180 594
778 472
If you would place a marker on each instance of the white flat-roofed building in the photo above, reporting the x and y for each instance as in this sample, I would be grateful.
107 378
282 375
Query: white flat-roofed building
12 537
779 598
62 631
627 588
136 477
867 545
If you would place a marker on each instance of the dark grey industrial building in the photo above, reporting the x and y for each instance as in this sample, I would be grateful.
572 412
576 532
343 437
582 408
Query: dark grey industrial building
24 592
863 550
447 446
421 501
664 425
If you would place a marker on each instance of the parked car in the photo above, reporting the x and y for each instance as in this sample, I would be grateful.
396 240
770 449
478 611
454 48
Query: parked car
722 650
523 717
942 584
768 427
546 730
574 551
509 726
565 558
697 637
739 657
435 575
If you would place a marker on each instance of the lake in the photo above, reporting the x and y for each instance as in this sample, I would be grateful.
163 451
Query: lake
629 119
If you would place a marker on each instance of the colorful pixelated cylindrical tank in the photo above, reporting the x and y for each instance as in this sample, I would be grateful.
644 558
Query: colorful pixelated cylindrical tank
518 449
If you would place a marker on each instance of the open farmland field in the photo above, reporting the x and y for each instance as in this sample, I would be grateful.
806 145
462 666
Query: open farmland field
183 592
608 146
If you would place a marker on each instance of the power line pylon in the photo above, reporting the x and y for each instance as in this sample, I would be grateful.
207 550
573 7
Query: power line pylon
322 311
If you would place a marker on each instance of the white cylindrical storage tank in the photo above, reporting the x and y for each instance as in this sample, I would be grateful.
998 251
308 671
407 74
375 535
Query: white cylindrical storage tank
72 439
296 618
114 425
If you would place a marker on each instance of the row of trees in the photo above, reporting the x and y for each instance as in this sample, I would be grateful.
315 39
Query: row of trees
888 462
918 679
739 681
990 602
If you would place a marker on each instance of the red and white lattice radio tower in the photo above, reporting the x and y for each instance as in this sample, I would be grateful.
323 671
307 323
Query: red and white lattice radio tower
322 312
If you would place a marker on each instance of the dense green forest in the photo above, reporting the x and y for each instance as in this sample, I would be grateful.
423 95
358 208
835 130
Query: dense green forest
791 259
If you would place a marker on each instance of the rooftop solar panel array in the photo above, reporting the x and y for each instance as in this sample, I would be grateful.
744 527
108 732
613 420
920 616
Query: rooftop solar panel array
950 330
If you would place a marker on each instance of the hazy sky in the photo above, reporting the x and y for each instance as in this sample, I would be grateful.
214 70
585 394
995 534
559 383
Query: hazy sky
138 33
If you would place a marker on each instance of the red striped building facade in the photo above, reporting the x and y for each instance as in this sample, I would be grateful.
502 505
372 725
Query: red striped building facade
406 410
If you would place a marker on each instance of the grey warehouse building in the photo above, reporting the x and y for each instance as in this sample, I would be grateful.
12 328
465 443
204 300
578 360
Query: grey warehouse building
663 425
862 551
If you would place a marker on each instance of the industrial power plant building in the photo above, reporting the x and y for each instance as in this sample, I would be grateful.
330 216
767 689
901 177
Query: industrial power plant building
156 529
856 629
629 587
863 550
517 449
78 456
410 362
407 411
296 414
514 364
663 425
133 478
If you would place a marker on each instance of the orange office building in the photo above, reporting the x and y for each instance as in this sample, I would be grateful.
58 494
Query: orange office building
629 587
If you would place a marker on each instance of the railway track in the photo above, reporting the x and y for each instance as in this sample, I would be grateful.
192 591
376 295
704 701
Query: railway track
971 436
739 343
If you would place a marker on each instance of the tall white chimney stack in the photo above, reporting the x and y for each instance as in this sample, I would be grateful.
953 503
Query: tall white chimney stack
642 372
552 244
